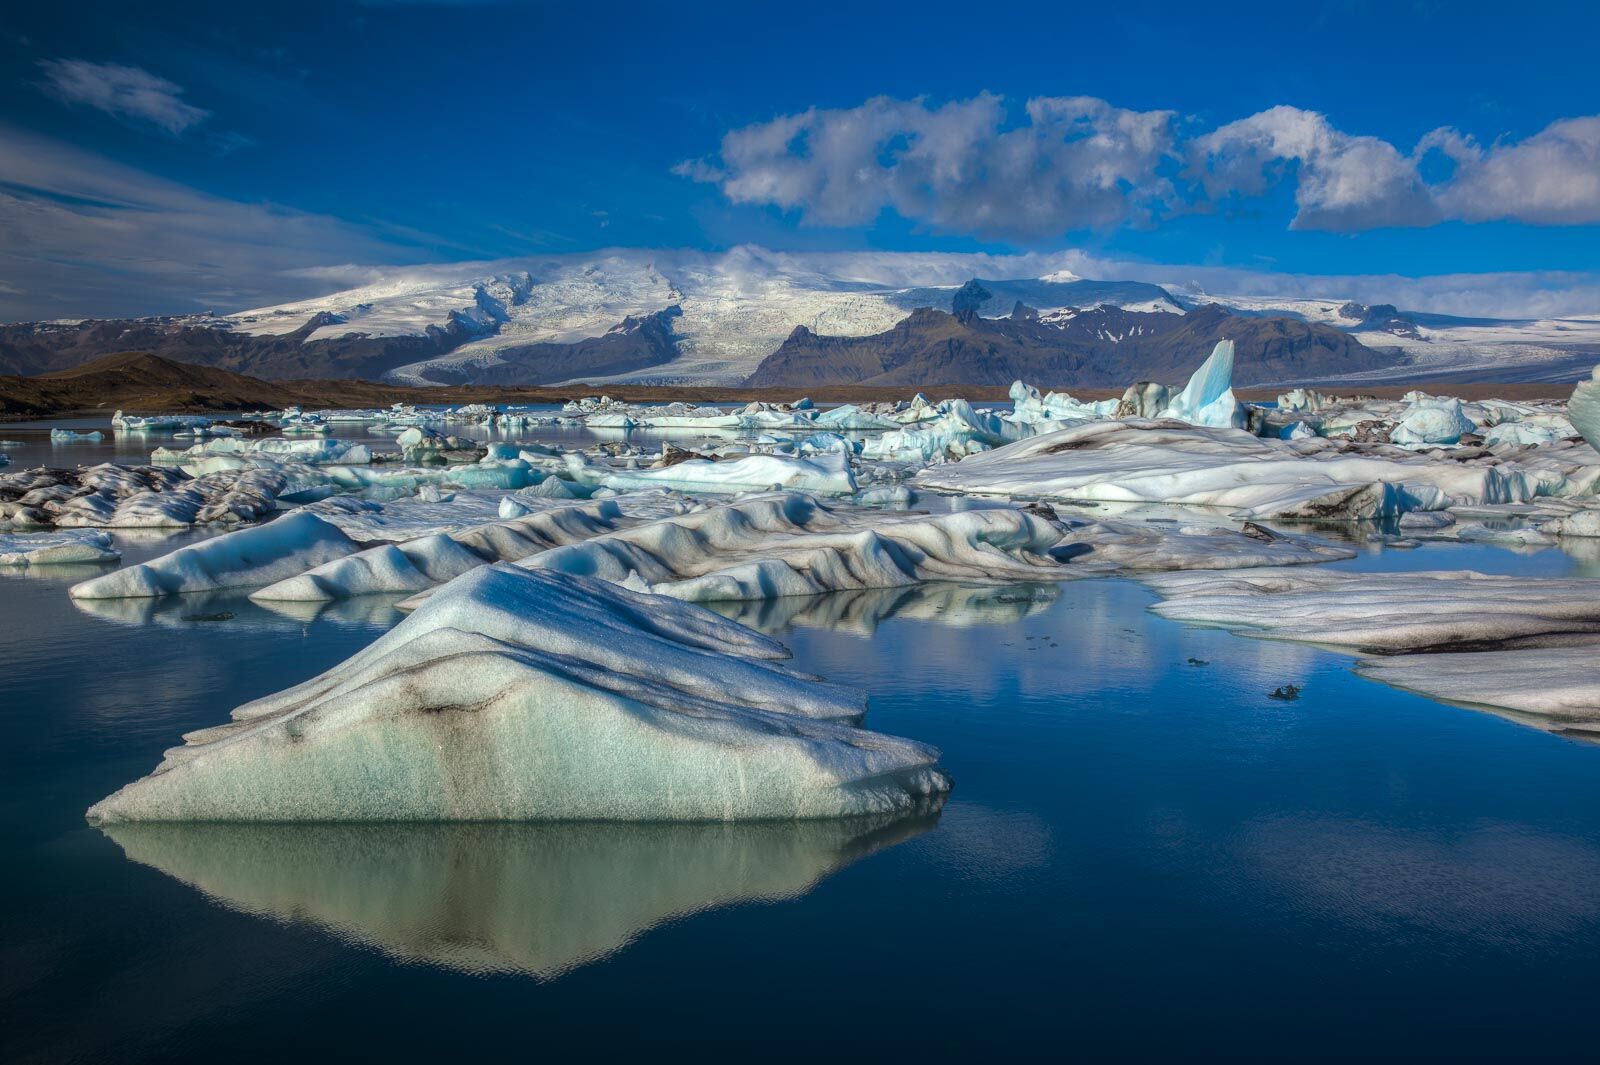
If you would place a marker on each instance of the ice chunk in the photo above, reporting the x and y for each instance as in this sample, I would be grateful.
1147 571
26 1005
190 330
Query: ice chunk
1557 688
1432 421
1583 409
828 473
56 548
518 694
68 436
1208 397
261 554
1383 612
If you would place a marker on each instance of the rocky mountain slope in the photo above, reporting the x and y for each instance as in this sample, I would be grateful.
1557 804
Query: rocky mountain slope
1098 348
694 318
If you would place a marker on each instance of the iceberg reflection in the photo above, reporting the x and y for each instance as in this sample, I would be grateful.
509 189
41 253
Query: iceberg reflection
538 900
861 611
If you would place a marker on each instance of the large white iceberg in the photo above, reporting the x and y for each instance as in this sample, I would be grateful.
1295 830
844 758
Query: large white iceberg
519 694
260 554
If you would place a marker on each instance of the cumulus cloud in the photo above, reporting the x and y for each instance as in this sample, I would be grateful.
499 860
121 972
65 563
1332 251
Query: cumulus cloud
1551 178
1079 163
1342 182
1076 163
85 235
121 91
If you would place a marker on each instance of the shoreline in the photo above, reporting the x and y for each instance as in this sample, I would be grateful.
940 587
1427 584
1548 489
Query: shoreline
357 394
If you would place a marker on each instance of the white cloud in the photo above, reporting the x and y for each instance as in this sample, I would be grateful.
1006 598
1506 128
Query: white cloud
1076 163
1080 163
121 91
1342 182
85 235
1551 178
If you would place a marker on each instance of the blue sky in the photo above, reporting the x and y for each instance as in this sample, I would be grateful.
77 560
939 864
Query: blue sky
151 162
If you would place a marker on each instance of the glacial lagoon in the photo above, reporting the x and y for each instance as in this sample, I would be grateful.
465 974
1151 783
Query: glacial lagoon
1143 854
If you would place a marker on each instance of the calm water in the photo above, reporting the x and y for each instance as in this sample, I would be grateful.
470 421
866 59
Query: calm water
1142 857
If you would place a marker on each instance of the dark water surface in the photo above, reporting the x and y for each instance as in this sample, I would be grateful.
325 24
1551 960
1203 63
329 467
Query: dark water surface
1142 857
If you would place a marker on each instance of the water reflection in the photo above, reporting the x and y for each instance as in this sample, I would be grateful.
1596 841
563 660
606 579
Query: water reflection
538 900
861 611
235 609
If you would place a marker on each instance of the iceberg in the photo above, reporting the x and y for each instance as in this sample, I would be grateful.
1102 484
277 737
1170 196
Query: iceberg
1384 613
1583 409
420 563
1432 421
1554 688
827 473
526 695
1208 397
1139 461
261 554
56 548
790 544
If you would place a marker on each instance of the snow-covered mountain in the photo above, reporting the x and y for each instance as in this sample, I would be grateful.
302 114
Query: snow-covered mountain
683 317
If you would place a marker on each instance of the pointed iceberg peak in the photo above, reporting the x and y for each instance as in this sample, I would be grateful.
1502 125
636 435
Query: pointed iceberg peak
1583 409
1208 397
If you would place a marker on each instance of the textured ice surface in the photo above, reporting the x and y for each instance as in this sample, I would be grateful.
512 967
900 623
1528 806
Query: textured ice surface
538 900
790 544
1384 612
1165 461
413 565
56 548
1583 409
828 474
517 694
261 554
1557 687
1208 397
1129 546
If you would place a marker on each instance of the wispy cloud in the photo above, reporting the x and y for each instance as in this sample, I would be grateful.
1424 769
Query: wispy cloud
121 91
86 235
1079 163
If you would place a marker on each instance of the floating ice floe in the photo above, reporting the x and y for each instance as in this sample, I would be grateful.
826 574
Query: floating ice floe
1556 688
519 694
314 452
1386 613
416 564
260 554
69 436
1168 462
1529 645
791 544
56 548
827 473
